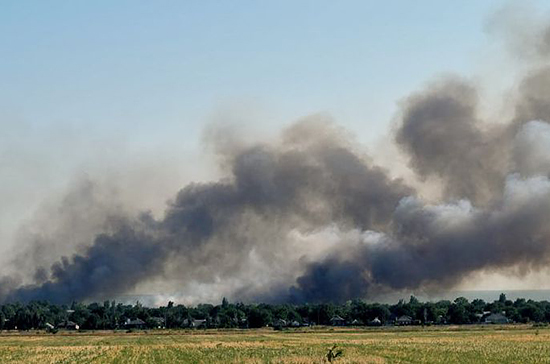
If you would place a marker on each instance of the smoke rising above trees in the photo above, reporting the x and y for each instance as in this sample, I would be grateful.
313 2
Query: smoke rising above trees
309 217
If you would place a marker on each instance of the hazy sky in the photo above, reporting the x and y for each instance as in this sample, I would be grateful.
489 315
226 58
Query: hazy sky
158 70
120 88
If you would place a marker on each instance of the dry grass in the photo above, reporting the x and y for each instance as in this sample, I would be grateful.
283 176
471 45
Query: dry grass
478 344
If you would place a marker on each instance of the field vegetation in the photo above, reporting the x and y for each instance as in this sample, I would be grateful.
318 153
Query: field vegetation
436 344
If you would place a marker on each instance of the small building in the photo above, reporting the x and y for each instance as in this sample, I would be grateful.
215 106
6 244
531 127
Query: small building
199 324
337 321
375 322
404 320
69 325
278 323
158 322
356 322
295 324
194 323
496 318
134 324
242 322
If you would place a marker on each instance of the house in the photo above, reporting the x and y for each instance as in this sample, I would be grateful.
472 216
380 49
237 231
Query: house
375 322
278 323
242 322
158 321
68 325
496 318
356 322
404 320
337 321
199 324
295 324
195 324
134 324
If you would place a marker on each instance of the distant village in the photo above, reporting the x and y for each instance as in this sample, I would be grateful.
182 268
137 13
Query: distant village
160 323
109 315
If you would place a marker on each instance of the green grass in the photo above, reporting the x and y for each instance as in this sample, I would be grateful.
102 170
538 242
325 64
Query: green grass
472 344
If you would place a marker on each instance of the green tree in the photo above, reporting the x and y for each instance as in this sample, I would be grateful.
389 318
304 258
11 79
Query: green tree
259 317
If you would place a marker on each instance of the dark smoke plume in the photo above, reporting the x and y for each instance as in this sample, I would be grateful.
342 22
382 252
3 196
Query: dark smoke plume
442 134
300 184
310 218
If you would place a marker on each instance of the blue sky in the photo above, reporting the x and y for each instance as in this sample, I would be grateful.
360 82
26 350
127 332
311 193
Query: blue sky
156 70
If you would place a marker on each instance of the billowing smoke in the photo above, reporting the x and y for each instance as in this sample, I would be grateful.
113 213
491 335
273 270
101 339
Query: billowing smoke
439 245
442 134
310 179
309 217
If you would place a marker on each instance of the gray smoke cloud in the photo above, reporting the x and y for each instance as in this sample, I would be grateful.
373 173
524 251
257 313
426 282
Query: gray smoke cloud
311 178
442 134
308 217
438 245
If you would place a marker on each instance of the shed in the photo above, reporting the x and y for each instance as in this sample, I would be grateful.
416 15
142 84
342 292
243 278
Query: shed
194 323
375 322
280 323
404 320
158 321
295 324
134 324
496 318
69 325
337 321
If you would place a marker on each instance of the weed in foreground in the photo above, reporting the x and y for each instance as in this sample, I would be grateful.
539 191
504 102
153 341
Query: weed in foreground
332 353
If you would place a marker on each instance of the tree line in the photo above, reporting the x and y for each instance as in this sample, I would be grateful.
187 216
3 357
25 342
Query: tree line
112 315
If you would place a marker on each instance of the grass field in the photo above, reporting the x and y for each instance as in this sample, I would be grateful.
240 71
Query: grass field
479 344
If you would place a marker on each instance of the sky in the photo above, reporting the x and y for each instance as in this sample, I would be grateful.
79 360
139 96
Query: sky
123 91
160 70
